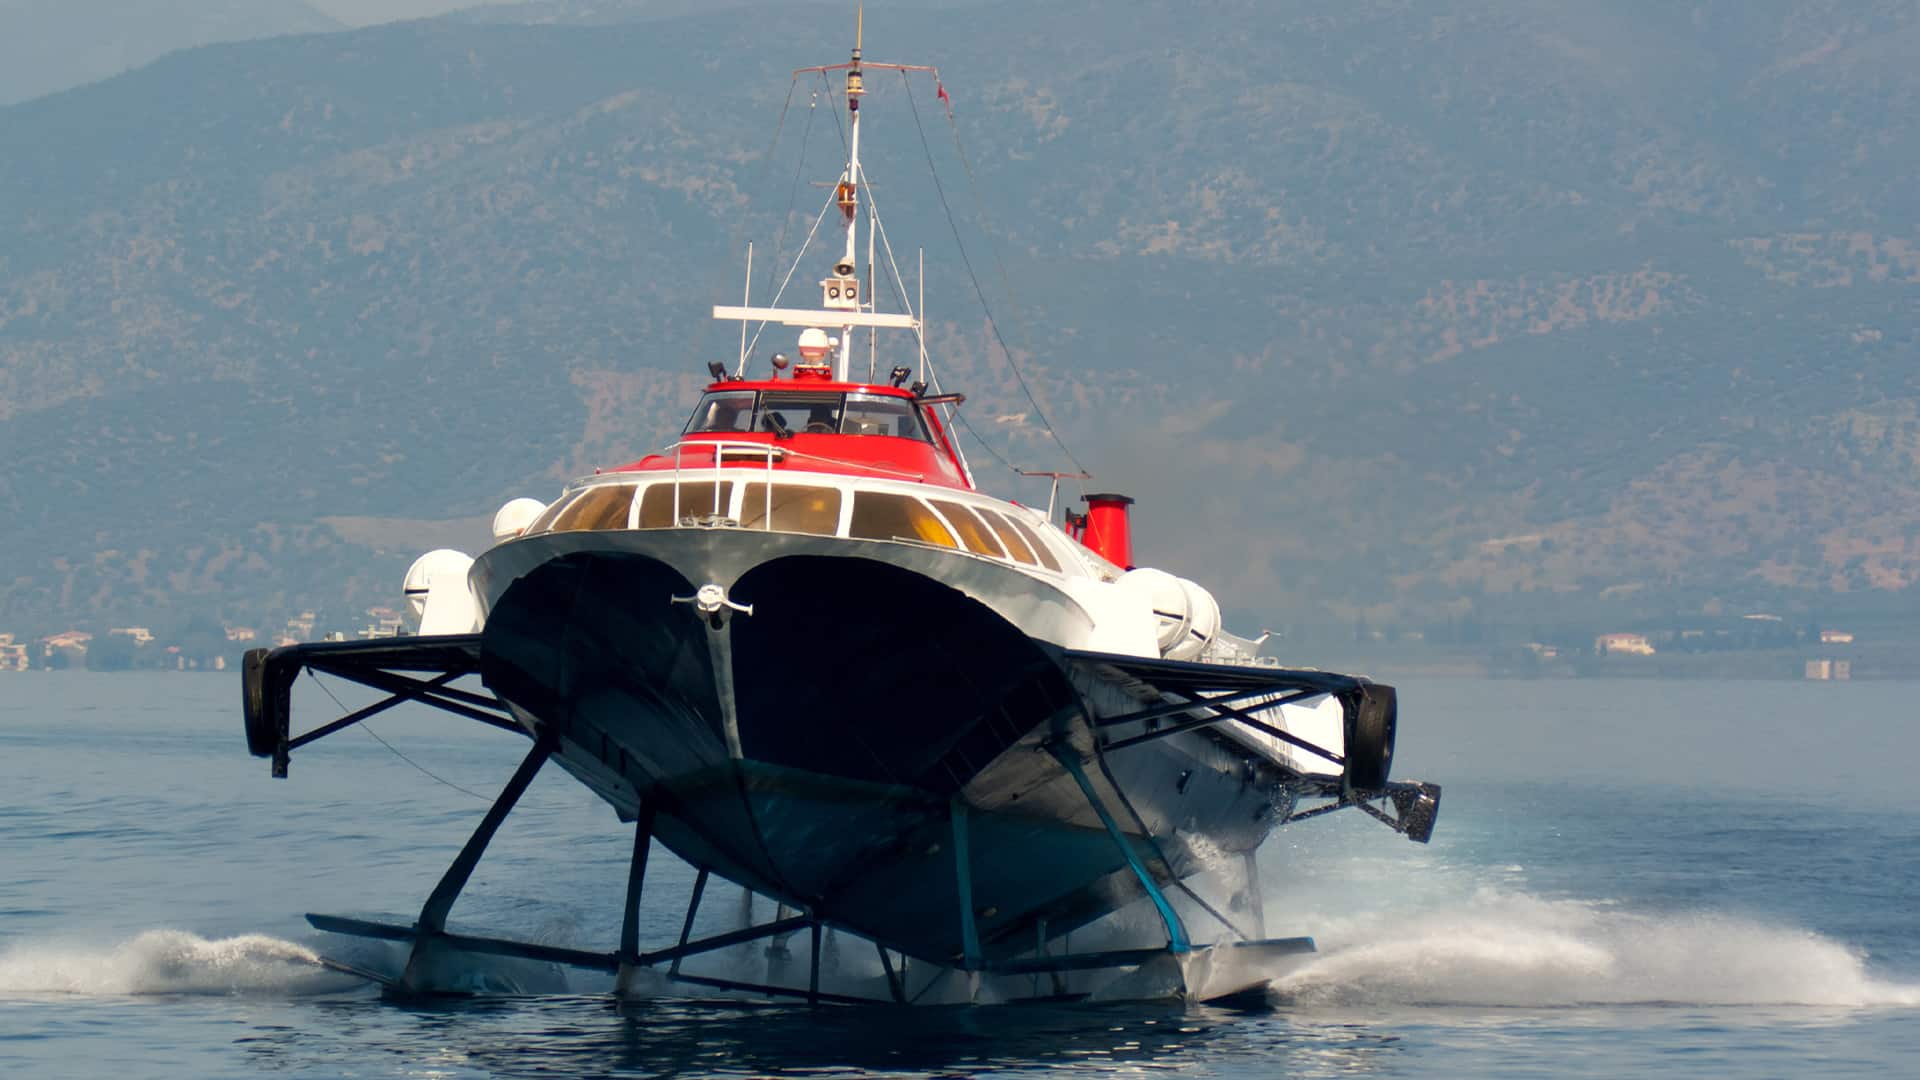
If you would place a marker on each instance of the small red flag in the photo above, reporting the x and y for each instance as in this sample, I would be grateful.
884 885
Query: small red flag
940 91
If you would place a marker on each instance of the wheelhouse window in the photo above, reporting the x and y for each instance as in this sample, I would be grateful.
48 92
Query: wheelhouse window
723 411
873 414
814 414
794 412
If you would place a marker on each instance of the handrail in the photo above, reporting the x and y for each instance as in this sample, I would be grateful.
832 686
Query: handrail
774 450
769 453
720 446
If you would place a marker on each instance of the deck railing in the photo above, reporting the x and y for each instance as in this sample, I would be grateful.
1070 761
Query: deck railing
720 449
768 453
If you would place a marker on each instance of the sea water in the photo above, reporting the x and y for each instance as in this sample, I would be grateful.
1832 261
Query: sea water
1682 879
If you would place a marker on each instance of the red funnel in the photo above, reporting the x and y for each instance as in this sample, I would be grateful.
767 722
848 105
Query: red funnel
1109 529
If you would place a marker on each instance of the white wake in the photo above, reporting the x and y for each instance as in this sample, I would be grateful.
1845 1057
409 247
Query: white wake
170 962
1498 947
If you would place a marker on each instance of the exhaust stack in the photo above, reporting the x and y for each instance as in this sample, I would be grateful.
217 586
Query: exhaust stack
1107 528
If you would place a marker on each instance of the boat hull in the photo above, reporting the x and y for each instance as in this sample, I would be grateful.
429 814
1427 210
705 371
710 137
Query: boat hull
893 756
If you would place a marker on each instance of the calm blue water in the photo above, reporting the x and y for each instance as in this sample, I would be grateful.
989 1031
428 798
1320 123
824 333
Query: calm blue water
1694 880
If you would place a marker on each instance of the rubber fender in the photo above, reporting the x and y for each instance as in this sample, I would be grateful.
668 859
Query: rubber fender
267 699
1372 714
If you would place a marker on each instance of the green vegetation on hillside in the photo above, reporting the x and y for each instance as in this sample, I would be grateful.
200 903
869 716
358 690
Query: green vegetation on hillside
1401 313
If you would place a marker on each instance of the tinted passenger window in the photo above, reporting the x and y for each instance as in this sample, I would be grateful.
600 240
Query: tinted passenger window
1016 545
544 523
697 500
1033 540
602 507
879 516
973 531
795 508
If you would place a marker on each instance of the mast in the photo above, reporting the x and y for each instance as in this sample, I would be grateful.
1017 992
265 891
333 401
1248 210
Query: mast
842 305
850 183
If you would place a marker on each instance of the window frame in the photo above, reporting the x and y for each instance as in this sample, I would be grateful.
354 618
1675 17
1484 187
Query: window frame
952 542
912 408
753 412
747 497
806 398
718 503
992 548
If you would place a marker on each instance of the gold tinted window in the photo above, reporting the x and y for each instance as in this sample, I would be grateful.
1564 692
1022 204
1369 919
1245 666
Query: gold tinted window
1038 545
795 508
973 531
698 500
602 507
1002 528
878 516
544 523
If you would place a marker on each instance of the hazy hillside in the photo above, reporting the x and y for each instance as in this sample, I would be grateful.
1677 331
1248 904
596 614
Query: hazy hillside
51 45
1404 310
616 12
368 12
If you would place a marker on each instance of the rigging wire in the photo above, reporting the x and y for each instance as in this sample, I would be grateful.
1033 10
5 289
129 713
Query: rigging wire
780 125
898 284
424 771
980 206
898 287
838 103
792 197
1006 280
799 165
784 282
992 323
773 144
967 425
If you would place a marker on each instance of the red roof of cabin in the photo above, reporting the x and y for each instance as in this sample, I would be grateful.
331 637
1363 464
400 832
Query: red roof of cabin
890 457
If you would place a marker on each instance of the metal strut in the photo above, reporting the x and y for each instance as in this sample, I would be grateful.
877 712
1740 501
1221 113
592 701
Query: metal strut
895 983
582 958
1256 900
1176 930
813 974
636 882
963 883
432 923
693 908
354 717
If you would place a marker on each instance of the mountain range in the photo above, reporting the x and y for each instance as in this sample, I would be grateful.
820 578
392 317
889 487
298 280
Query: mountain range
1387 311
51 45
